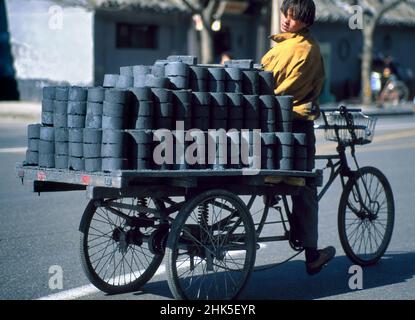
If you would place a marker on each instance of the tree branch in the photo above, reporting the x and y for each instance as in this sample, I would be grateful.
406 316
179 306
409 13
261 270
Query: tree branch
383 9
195 8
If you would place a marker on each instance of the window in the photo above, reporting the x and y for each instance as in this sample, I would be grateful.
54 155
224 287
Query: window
136 36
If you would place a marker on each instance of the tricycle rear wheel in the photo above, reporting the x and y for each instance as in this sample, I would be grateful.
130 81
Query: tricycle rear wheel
116 256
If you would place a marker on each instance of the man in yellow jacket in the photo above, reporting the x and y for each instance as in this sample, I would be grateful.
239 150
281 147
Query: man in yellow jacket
298 70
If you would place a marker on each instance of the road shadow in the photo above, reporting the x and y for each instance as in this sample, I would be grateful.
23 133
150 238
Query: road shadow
290 281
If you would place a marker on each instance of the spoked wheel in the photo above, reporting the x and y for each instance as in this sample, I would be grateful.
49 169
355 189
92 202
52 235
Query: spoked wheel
211 247
366 216
121 253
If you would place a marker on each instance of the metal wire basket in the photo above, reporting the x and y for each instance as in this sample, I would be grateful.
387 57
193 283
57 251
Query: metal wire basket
363 128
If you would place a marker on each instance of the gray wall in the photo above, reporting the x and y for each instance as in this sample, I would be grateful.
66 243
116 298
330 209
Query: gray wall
47 55
173 33
346 47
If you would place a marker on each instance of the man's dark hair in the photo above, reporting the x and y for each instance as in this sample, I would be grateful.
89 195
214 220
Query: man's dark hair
303 10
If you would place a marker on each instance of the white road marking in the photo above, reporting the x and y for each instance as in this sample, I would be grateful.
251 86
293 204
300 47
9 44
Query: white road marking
89 289
13 150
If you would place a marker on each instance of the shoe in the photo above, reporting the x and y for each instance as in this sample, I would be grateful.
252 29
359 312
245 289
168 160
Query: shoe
325 255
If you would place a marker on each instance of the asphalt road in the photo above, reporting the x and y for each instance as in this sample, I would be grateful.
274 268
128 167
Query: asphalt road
39 232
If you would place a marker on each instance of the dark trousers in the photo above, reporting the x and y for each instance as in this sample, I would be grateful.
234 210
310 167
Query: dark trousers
305 205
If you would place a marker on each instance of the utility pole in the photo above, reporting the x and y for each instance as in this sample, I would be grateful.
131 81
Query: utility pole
275 18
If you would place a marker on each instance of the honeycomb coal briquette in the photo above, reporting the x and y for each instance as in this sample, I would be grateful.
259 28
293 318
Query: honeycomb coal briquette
234 86
181 96
216 86
46 160
93 165
110 80
77 93
76 164
239 63
144 151
268 139
113 150
112 109
60 107
47 118
158 70
124 82
76 121
33 144
233 74
48 92
32 158
33 131
156 82
92 135
163 110
61 161
114 123
300 152
285 115
300 139
164 123
76 135
92 150
61 147
179 83
300 164
93 122
267 101
285 164
47 105
141 136
268 163
234 99
115 95
142 109
198 73
201 98
188 59
60 120
61 93
284 102
198 85
183 111
113 164
96 94
94 108
127 71
141 70
140 81
75 149
266 82
175 69
143 164
216 74
268 115
115 136
161 95
47 133
250 84
141 94
61 134
237 124
284 138
144 123
77 107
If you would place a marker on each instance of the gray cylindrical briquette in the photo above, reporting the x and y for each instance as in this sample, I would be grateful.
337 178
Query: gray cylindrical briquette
112 123
47 133
77 107
60 107
75 149
33 131
47 105
76 121
75 135
75 163
32 157
61 161
47 160
77 93
96 94
33 145
94 108
112 164
92 150
93 165
61 134
110 80
60 120
92 135
93 122
47 118
61 148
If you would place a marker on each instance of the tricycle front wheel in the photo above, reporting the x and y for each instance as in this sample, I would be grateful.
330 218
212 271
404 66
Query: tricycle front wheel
211 247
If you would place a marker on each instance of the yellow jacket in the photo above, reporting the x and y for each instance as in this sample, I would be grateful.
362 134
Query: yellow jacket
298 71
